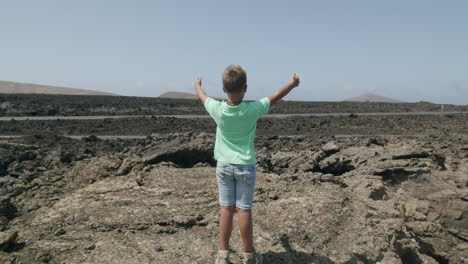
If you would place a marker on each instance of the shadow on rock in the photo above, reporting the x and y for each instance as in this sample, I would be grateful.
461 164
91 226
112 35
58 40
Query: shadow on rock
293 256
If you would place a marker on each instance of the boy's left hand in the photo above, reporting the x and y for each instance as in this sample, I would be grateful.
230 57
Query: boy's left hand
199 91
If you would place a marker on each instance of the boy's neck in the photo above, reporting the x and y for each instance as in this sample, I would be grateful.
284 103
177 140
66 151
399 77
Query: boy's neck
235 99
233 102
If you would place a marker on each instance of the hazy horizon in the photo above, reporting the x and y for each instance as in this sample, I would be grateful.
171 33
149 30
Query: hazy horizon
409 51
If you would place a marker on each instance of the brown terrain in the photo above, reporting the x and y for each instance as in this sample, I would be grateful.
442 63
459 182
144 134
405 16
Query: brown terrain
370 97
29 88
178 95
85 105
333 189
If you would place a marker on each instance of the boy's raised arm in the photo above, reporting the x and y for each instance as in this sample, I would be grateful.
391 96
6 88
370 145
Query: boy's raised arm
283 91
199 91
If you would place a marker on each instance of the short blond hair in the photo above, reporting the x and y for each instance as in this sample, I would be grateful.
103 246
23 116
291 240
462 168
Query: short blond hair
234 79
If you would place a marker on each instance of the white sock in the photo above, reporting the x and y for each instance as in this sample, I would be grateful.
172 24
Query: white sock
249 255
223 253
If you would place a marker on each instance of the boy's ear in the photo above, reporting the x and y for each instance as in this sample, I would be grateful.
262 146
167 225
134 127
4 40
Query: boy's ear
245 88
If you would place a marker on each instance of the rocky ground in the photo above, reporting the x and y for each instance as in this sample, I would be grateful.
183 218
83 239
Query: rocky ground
356 197
313 126
332 189
79 105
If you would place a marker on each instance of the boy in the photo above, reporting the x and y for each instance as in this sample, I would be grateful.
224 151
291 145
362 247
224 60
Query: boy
235 154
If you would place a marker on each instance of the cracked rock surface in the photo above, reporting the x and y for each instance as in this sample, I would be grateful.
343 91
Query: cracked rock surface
318 199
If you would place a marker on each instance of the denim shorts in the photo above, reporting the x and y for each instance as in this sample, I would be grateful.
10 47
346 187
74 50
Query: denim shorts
236 184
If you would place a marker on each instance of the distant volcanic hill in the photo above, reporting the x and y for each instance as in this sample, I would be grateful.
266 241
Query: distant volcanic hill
178 95
370 97
183 95
29 88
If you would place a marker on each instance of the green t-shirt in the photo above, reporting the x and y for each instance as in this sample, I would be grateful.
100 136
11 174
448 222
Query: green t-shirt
235 130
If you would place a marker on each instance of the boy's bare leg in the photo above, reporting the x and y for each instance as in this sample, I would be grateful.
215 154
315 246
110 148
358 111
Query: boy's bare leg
225 225
246 229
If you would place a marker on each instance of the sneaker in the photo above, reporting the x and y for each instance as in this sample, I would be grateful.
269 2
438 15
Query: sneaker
223 257
253 258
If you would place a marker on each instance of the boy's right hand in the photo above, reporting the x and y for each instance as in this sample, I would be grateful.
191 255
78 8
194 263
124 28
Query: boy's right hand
198 81
294 80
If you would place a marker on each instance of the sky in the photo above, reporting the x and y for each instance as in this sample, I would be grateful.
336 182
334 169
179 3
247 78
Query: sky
410 50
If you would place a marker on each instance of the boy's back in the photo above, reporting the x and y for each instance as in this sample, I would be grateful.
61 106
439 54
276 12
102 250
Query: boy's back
236 122
235 130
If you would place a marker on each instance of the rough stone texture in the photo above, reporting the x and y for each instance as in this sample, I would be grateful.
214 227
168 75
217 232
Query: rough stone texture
387 199
315 126
73 105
